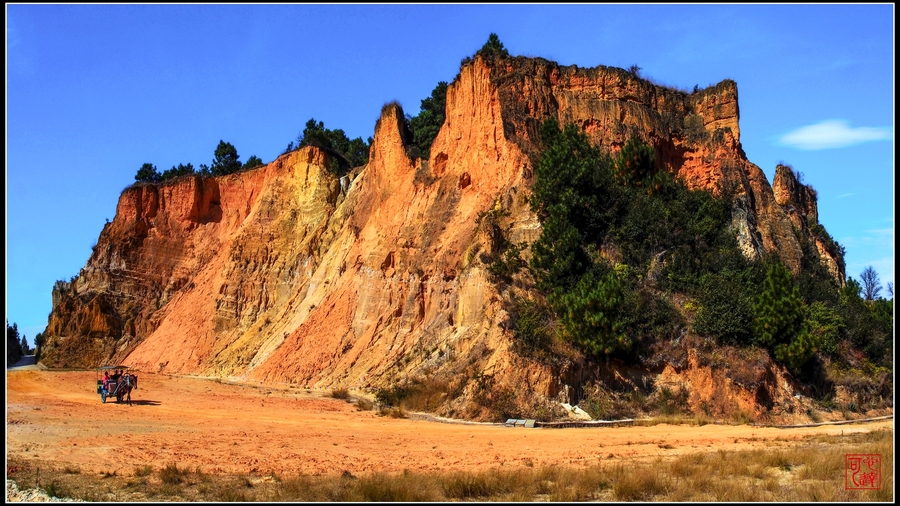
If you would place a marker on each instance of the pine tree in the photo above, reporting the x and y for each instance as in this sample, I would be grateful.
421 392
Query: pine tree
38 344
493 47
592 314
13 344
252 162
426 125
148 173
346 153
571 195
779 319
636 163
180 170
226 160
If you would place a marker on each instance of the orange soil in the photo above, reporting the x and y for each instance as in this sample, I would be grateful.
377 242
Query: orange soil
57 419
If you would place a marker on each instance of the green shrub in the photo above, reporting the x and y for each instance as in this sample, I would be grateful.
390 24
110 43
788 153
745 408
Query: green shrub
597 210
825 325
575 199
391 396
507 263
725 312
586 201
694 130
392 412
532 326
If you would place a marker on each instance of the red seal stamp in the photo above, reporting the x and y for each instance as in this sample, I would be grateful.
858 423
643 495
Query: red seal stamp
863 471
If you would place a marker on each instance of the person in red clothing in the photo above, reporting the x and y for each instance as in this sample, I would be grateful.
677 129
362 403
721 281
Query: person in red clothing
106 380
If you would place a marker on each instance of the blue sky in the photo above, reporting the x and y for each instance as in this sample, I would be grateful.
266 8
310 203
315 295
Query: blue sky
94 91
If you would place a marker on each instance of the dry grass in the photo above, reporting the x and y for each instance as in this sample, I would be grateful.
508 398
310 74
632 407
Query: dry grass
363 404
811 469
639 483
396 412
144 470
697 420
171 475
340 393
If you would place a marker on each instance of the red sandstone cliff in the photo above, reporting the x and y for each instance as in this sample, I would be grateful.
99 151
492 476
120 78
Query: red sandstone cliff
286 274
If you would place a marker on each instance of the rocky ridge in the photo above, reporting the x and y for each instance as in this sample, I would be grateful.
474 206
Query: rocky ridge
287 274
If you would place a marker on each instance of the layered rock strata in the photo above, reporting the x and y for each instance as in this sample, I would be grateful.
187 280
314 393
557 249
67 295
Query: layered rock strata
287 274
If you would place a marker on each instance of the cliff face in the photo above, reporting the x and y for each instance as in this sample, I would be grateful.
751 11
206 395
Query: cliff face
287 274
696 136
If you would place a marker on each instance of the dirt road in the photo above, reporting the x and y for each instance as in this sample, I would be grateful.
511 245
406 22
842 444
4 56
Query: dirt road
56 418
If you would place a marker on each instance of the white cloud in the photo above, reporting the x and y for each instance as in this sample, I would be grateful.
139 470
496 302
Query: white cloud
833 133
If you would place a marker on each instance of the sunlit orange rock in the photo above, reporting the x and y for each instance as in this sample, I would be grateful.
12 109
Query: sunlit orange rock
287 274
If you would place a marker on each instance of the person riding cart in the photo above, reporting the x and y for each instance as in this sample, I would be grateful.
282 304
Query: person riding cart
118 384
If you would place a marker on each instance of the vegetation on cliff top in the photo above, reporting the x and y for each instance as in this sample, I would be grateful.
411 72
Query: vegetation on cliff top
225 161
345 153
493 47
425 126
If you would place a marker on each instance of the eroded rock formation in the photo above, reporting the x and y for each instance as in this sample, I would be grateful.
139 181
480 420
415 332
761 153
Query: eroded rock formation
287 274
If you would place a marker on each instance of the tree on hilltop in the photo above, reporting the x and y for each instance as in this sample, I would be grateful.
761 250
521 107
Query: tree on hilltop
180 170
148 174
493 47
253 161
348 153
226 161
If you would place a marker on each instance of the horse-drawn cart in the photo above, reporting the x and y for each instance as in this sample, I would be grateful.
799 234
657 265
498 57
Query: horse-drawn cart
119 384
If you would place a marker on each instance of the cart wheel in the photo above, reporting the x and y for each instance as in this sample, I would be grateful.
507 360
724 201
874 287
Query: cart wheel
103 397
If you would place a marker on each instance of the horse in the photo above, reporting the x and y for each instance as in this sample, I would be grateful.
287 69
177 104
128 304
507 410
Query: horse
126 384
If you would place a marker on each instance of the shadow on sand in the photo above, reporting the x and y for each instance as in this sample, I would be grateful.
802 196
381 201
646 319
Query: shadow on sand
137 402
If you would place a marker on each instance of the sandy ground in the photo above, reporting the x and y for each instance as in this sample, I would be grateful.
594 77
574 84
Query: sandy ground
56 418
